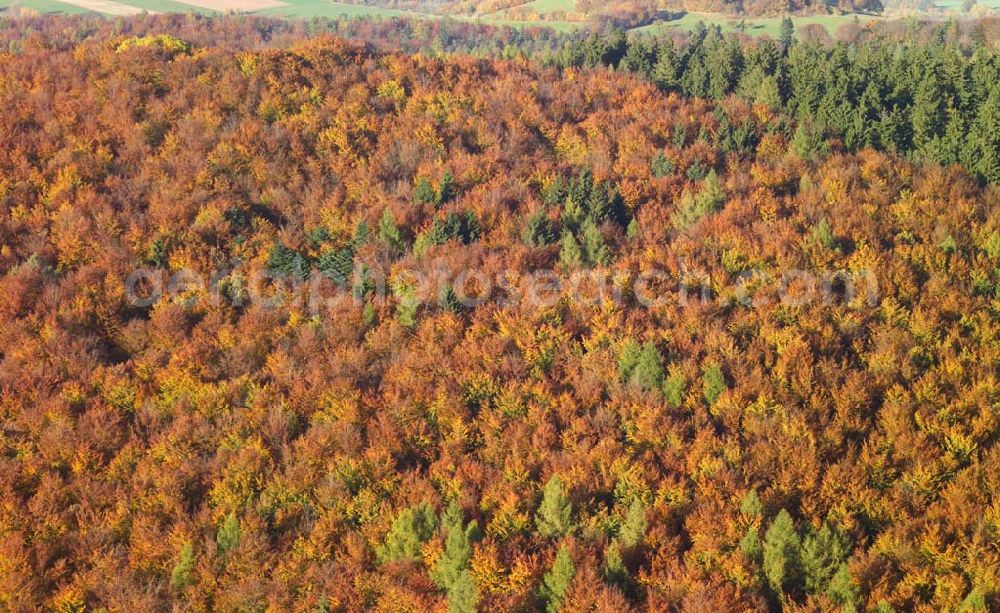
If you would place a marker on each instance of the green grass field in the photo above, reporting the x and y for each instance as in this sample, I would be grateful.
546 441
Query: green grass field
542 7
165 6
44 6
325 8
754 26
545 6
54 6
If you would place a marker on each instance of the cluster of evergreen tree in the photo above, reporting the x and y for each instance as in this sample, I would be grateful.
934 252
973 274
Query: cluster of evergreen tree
583 206
937 101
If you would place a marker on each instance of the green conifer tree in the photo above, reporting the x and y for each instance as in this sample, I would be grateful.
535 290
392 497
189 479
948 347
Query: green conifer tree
674 389
713 383
595 252
537 231
633 529
786 33
423 192
227 537
648 372
388 232
781 554
462 595
823 552
844 590
446 189
570 255
628 357
556 582
182 574
554 515
409 531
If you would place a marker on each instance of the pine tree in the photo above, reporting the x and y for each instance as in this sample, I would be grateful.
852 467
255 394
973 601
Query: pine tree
595 252
694 81
388 233
554 192
661 166
556 582
361 234
823 552
409 531
628 357
368 314
768 92
750 506
462 596
599 203
457 549
633 529
227 537
572 213
614 568
159 252
638 58
570 255
724 67
974 602
181 575
633 228
667 68
538 231
844 591
822 234
337 264
554 515
781 554
750 544
751 510
809 142
708 200
713 383
786 34
711 196
673 390
423 192
984 139
284 260
317 236
648 373
929 115
446 189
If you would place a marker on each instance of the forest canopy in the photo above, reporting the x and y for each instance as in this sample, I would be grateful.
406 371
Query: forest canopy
734 447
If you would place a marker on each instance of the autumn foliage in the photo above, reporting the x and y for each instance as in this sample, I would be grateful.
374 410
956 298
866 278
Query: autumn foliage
734 452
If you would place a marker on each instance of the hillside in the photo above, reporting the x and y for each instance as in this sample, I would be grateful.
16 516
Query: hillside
291 323
591 10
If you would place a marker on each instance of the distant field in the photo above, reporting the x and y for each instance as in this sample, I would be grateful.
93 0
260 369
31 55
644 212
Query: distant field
246 6
542 7
152 6
161 6
499 20
545 6
325 8
46 6
755 26
108 7
956 5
